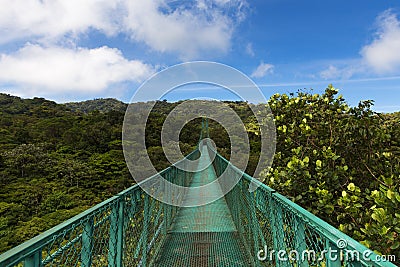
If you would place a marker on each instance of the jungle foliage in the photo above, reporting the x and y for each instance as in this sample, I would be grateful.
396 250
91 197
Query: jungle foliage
342 163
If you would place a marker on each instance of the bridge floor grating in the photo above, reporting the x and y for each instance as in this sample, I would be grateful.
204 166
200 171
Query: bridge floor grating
202 249
203 235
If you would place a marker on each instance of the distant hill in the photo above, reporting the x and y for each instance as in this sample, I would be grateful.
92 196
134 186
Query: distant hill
37 106
100 104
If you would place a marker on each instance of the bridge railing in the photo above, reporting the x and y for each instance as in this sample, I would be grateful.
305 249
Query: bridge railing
125 230
277 232
130 228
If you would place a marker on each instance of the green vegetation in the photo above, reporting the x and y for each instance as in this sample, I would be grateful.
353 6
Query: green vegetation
342 163
102 105
54 163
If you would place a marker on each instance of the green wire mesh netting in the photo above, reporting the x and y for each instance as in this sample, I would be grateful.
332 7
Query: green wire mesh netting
278 232
133 229
203 235
125 230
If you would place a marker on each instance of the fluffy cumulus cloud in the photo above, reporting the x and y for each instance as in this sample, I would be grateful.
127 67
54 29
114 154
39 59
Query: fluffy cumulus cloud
60 69
45 35
262 70
381 56
52 19
383 53
188 30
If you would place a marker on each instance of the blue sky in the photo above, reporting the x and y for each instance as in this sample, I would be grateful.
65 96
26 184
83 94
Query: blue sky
70 50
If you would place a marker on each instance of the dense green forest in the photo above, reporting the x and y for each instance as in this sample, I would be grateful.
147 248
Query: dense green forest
342 163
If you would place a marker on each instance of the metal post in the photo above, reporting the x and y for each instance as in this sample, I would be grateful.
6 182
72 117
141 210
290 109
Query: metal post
254 223
146 220
35 260
237 206
113 233
166 206
87 243
300 233
120 237
208 135
332 257
277 231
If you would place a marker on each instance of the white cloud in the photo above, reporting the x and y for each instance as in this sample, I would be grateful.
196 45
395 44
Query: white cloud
55 18
345 71
55 69
52 61
330 73
383 54
188 31
186 28
249 50
262 70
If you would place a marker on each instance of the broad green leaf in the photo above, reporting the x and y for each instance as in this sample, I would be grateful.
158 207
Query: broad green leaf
318 163
351 187
389 194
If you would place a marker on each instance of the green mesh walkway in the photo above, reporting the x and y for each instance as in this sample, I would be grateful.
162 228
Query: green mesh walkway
205 235
213 217
134 229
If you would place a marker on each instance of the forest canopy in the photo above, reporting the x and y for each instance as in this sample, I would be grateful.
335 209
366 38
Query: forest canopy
342 163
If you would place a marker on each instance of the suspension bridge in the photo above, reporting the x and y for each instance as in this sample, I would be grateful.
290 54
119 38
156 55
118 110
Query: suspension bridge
243 228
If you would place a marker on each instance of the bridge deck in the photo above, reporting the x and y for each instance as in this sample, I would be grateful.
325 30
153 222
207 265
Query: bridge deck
129 229
203 235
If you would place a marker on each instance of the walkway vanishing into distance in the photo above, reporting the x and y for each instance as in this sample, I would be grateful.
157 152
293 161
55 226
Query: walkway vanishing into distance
205 235
133 229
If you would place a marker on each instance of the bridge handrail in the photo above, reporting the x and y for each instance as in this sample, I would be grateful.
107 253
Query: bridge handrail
28 250
161 215
324 228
